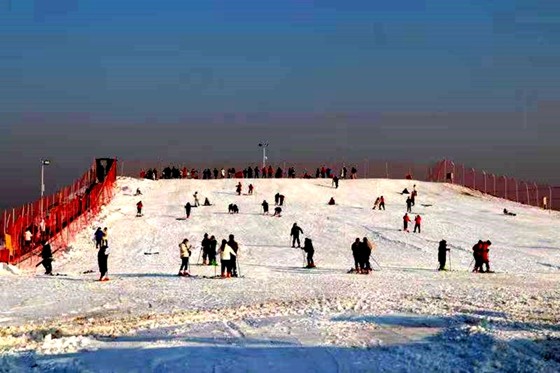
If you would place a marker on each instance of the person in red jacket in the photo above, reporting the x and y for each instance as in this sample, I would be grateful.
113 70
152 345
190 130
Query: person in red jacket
485 258
417 221
139 208
382 203
406 220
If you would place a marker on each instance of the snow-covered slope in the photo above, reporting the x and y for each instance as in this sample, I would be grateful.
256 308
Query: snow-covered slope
278 302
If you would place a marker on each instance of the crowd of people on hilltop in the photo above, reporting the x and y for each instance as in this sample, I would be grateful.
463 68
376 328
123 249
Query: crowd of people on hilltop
251 172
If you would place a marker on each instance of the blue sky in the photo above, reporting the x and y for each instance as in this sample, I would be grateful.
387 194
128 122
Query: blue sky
137 58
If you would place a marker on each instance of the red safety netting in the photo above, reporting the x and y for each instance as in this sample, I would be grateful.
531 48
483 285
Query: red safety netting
59 216
509 188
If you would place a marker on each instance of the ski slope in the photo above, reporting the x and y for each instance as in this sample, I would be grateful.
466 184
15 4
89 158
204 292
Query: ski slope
404 317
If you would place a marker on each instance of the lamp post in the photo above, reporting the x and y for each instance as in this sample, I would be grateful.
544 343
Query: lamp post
44 162
264 145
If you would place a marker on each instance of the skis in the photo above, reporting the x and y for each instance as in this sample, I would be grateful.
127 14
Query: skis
151 253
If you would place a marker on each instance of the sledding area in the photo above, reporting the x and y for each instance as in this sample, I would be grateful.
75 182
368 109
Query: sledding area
404 316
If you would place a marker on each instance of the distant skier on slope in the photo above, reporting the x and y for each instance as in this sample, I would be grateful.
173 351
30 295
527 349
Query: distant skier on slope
277 211
277 199
382 203
485 256
406 220
408 205
205 244
356 254
196 202
188 209
233 261
477 254
212 251
185 253
417 222
207 202
265 207
46 255
442 254
226 253
294 233
366 248
251 187
281 200
103 256
335 181
331 201
376 203
238 189
308 248
139 208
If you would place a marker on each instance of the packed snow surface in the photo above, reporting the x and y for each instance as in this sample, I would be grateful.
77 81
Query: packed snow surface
405 316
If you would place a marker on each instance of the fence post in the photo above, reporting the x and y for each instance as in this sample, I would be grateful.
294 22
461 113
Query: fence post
473 179
528 198
537 192
484 175
444 170
516 191
505 187
453 173
463 174
549 205
387 169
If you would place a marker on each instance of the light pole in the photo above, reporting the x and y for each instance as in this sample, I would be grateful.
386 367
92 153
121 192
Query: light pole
44 162
264 145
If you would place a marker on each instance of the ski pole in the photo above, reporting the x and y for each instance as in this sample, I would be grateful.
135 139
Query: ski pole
470 265
372 258
199 255
238 267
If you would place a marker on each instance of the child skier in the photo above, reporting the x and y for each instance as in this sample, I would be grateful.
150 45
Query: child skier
139 208
251 189
308 248
184 252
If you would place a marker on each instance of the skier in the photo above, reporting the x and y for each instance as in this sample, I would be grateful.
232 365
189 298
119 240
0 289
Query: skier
188 209
335 181
413 196
417 221
331 201
250 189
205 249
277 211
223 172
382 203
406 220
308 248
212 251
276 199
233 261
485 260
103 256
366 249
506 212
139 208
442 254
46 255
294 233
238 189
408 205
353 172
356 254
185 253
281 200
477 254
265 207
226 254
376 203
196 202
98 236
207 202
138 192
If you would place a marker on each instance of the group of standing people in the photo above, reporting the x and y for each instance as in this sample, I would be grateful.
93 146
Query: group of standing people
228 251
481 256
361 251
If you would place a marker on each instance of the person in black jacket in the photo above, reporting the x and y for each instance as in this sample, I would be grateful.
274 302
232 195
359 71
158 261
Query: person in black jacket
233 261
205 249
442 254
265 207
308 248
212 251
188 209
46 255
294 233
356 246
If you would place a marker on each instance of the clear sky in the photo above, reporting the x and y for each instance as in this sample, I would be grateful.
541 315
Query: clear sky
473 80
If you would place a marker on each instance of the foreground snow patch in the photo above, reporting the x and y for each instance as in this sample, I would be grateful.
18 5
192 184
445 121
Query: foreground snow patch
8 269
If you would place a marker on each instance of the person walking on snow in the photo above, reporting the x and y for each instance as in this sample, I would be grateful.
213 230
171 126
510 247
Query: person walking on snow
406 220
276 199
294 233
281 200
356 254
233 261
196 202
188 209
382 203
265 207
139 208
367 248
417 221
205 244
442 254
485 257
308 248
185 253
277 211
376 203
251 187
335 181
103 256
46 255
226 254
408 205
238 189
477 254
212 251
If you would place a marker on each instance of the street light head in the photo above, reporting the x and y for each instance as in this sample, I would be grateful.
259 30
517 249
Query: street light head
46 162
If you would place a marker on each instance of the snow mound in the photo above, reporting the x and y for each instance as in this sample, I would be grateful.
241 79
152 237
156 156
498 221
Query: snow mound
8 269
